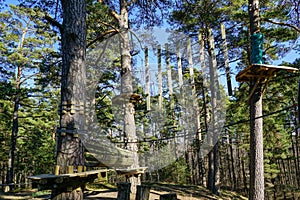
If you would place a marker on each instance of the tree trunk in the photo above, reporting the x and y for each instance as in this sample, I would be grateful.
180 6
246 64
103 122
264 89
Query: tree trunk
203 91
126 82
213 88
196 153
70 150
256 147
232 164
14 134
194 93
256 124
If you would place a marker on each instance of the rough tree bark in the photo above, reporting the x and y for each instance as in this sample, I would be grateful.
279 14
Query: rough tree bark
70 151
126 82
196 154
256 124
203 92
214 171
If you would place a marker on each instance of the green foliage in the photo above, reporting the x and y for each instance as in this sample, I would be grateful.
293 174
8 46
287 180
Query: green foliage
26 53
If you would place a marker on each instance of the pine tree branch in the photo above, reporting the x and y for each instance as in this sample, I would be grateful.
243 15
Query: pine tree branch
102 36
28 77
283 24
53 22
113 13
28 106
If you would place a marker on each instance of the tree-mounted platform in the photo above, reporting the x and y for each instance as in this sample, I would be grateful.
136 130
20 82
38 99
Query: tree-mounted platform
51 181
261 71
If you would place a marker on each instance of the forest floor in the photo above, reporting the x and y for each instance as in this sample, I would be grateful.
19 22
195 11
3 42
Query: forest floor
109 192
184 192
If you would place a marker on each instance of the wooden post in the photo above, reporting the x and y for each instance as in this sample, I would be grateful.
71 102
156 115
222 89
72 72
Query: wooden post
226 59
143 192
159 77
147 71
123 191
171 196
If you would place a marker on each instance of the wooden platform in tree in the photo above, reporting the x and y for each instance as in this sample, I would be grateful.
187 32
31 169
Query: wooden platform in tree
131 171
261 71
51 181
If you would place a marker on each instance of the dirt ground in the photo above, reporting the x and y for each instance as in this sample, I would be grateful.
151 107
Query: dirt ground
154 195
183 192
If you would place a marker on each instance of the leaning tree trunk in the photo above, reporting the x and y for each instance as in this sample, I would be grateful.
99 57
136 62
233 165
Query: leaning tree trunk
70 151
256 122
127 89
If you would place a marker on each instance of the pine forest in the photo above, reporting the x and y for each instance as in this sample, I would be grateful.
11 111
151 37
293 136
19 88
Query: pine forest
145 100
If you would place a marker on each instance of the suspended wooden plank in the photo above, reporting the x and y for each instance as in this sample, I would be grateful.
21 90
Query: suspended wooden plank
261 71
131 171
108 156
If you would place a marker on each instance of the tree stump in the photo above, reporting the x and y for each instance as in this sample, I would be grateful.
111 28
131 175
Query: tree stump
142 193
171 196
123 191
